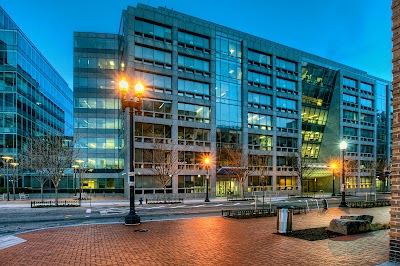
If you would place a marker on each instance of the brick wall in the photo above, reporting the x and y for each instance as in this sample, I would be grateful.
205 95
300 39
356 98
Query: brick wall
394 254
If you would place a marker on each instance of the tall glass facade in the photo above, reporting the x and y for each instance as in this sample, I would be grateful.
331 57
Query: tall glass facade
34 99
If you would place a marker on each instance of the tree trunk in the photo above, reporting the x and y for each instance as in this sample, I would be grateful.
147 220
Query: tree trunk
165 193
56 195
41 189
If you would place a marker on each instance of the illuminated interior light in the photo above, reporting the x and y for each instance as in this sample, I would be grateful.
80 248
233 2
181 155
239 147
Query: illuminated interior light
231 51
199 110
111 63
231 71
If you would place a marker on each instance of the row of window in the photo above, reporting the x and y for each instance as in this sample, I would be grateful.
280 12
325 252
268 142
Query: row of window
265 121
351 131
353 116
353 99
99 143
348 82
97 123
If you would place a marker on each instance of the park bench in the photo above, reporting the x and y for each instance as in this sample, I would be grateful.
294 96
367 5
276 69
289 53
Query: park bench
23 196
84 196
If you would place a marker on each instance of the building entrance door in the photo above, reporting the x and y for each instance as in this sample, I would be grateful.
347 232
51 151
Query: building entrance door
226 188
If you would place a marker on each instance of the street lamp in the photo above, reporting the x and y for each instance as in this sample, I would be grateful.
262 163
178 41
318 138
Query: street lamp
75 169
207 163
80 180
343 147
132 218
7 159
333 166
15 172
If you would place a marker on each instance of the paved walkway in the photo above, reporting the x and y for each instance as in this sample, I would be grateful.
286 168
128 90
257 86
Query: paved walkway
202 241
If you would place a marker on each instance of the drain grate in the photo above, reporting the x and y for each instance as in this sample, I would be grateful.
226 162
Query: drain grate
141 230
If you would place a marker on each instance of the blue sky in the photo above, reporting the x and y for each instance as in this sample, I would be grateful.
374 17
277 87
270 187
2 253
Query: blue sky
356 33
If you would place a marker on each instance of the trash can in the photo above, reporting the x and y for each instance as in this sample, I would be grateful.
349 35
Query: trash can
285 217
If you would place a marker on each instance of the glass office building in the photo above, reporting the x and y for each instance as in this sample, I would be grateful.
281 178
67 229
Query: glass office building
34 99
209 88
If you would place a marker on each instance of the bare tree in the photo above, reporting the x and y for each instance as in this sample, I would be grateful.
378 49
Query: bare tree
382 171
32 161
261 165
52 158
238 165
165 164
301 168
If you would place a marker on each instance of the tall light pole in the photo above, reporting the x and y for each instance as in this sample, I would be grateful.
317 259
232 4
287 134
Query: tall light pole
343 147
333 166
15 173
75 166
7 159
207 164
80 180
133 104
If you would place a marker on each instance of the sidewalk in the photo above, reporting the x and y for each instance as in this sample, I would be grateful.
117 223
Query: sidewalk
202 241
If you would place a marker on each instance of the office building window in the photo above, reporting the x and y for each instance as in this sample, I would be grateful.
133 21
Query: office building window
350 131
193 41
286 84
349 98
258 100
145 132
286 124
94 83
350 116
348 82
258 59
259 121
286 142
155 82
366 87
286 105
193 65
366 118
260 142
156 108
193 136
97 103
153 56
193 89
152 30
192 112
99 143
366 103
286 64
367 149
97 123
258 79
365 133
94 62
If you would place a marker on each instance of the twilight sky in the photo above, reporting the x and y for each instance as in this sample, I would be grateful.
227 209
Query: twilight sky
356 33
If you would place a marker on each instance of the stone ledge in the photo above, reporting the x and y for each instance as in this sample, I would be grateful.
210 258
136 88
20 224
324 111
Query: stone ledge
349 227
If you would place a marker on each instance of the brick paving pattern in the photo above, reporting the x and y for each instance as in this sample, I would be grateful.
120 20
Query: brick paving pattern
202 241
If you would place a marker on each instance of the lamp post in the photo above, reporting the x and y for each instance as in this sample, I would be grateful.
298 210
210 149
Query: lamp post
207 163
132 218
343 147
80 180
15 172
75 166
333 179
7 159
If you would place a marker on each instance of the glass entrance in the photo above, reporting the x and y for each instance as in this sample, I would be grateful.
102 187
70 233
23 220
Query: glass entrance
226 188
